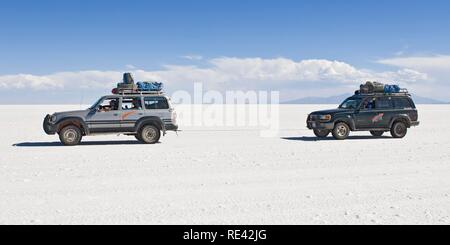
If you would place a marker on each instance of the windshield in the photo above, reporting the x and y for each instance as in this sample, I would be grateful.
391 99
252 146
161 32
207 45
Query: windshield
350 103
96 104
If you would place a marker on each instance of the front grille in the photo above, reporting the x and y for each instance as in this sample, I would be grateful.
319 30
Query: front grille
314 118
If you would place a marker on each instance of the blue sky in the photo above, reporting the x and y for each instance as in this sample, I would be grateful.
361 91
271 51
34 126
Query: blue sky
377 38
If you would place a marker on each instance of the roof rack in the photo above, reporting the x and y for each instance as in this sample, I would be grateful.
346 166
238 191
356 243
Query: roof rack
138 92
402 92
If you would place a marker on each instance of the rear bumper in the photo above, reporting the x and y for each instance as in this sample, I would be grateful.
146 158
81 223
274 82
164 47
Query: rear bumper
49 128
319 125
415 124
171 127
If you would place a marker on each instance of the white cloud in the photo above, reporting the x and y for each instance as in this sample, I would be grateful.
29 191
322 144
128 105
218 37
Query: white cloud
423 63
437 68
312 70
221 73
60 80
131 67
192 57
27 81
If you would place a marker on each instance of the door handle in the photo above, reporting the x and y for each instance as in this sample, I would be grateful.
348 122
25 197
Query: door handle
116 114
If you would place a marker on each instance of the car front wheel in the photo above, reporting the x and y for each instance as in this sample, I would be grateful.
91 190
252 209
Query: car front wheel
341 131
70 135
321 133
138 137
399 130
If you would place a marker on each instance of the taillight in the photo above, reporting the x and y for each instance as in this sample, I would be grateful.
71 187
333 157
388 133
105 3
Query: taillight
414 116
174 117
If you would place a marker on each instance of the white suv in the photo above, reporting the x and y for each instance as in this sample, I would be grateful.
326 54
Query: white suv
144 115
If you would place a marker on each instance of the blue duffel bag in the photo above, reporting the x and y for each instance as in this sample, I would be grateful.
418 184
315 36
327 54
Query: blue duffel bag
390 89
150 86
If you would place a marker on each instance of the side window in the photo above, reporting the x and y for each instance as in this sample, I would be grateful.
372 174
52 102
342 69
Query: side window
368 104
402 103
131 103
383 103
109 104
154 103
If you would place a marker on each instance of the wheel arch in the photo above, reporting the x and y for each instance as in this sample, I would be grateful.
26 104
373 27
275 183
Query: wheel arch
402 118
75 121
345 120
155 121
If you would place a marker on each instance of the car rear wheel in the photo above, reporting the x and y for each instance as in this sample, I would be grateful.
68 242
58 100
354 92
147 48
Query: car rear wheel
149 134
321 133
399 130
70 135
377 133
341 131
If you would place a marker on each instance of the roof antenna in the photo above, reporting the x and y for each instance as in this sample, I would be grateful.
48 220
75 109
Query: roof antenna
82 98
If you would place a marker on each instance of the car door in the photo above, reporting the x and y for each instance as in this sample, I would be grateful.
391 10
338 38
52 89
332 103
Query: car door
384 109
363 118
105 117
131 111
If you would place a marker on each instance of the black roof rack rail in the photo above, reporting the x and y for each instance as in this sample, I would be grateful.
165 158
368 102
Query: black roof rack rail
139 92
402 92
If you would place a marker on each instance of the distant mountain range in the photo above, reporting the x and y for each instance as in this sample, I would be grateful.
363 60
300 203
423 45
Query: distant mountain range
339 98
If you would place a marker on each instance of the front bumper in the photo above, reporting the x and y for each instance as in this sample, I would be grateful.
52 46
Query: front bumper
319 125
49 127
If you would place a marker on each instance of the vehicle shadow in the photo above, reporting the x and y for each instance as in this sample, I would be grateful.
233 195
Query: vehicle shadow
86 143
313 138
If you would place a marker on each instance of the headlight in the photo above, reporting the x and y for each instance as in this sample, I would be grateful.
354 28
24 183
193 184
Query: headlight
325 118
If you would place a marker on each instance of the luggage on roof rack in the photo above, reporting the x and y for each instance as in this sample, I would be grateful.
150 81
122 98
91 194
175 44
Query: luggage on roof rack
150 86
127 86
130 86
371 87
392 89
379 88
127 78
132 91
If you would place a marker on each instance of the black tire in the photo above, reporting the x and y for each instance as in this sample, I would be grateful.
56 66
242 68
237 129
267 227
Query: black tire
399 130
321 133
70 135
377 133
341 131
137 137
149 134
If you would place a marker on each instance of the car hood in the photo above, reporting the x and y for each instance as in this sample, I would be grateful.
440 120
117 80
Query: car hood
79 113
330 111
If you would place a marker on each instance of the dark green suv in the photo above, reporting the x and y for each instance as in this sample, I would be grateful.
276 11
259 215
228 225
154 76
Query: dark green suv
377 113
